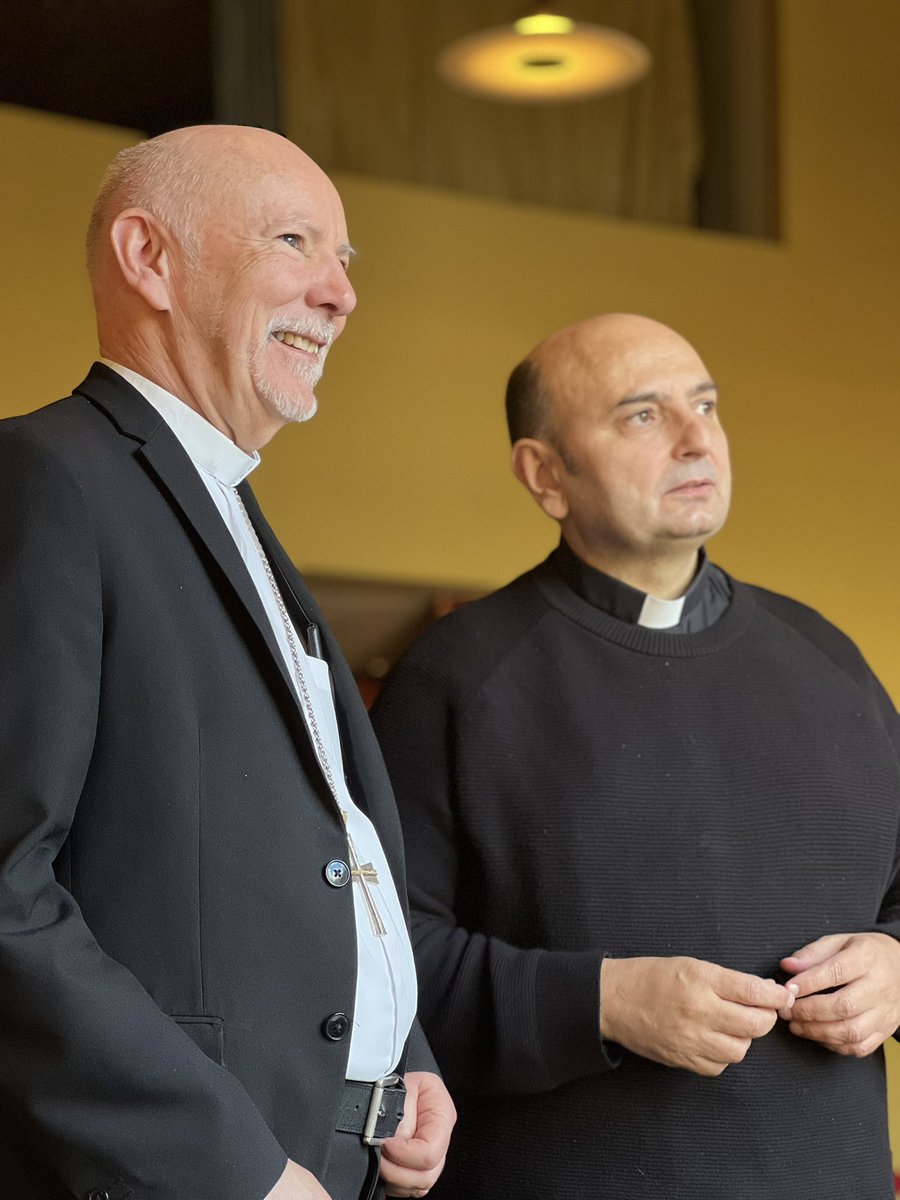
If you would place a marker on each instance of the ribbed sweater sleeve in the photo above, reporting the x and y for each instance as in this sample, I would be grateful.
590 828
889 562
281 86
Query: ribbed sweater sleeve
501 1017
836 646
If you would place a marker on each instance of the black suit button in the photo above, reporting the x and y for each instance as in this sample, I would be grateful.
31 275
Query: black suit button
336 1027
337 873
97 1194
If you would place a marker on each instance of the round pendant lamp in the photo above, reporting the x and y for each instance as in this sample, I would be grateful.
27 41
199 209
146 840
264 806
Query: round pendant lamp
543 59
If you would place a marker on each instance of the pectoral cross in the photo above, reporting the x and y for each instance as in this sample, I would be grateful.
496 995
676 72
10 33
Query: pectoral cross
364 874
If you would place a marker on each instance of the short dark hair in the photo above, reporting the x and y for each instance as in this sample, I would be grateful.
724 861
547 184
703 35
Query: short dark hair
527 402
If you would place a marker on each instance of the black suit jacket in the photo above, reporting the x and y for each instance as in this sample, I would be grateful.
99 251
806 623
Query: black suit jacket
169 946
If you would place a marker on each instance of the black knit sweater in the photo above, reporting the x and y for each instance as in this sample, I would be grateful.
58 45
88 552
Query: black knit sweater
572 786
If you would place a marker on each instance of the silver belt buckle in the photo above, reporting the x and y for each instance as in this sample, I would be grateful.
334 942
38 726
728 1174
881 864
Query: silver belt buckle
375 1109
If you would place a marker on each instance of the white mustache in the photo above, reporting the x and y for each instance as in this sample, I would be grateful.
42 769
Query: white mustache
316 330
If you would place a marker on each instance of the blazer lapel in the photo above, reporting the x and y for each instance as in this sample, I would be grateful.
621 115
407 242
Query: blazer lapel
163 454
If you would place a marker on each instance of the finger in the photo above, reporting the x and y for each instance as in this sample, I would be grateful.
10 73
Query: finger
751 990
856 1038
423 1151
846 1004
718 1056
742 1021
814 952
413 1154
400 1180
725 1049
786 1012
838 971
708 1067
407 1126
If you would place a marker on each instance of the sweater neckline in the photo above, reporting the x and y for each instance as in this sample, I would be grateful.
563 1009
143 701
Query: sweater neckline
656 642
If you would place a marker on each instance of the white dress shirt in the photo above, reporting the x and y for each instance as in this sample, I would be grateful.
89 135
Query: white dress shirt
386 978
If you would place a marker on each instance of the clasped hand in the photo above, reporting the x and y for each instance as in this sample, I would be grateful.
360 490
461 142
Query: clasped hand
684 1012
863 1010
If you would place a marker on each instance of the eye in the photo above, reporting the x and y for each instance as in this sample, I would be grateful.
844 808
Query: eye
643 416
294 240
707 407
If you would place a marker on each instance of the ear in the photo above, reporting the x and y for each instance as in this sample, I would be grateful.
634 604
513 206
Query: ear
142 252
539 468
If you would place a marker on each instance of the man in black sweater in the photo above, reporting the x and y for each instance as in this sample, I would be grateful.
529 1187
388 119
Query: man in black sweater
651 817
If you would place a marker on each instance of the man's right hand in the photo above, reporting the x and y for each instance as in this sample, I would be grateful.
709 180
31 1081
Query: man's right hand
296 1183
684 1012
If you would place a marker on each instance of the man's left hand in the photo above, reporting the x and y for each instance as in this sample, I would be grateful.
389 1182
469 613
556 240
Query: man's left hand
864 1010
412 1160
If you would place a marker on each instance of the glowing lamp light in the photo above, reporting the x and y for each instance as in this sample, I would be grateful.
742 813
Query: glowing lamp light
543 59
543 23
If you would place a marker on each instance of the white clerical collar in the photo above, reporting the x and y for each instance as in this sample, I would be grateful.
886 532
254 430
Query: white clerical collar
700 607
660 614
208 448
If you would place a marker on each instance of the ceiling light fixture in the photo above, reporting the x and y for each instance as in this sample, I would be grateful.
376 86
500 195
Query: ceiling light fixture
543 59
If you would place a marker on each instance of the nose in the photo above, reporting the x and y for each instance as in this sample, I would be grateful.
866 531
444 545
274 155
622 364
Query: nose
694 438
332 290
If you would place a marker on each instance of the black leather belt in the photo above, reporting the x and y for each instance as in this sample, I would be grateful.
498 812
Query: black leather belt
373 1110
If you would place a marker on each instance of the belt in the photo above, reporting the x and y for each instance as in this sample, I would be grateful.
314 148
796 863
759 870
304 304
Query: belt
373 1110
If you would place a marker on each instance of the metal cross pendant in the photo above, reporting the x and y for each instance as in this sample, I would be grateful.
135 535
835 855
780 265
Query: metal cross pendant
364 874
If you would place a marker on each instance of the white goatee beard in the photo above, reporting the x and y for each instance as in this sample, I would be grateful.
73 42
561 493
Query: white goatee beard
288 404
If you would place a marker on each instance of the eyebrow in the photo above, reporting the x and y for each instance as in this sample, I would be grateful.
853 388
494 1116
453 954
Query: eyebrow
708 385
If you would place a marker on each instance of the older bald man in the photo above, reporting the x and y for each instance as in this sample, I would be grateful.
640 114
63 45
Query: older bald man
206 985
648 810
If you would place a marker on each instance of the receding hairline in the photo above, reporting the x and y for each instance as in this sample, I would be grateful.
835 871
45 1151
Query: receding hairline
528 401
174 176
531 395
156 175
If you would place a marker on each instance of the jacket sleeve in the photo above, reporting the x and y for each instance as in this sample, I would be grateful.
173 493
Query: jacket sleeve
104 1088
501 1018
418 1051
889 914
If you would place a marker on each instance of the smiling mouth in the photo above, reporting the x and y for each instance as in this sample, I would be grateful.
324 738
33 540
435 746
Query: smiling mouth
297 340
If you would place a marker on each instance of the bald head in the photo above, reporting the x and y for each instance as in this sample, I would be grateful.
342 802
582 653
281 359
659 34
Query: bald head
616 435
218 258
181 176
572 360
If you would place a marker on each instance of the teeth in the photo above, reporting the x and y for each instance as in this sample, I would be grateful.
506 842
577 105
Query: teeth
298 340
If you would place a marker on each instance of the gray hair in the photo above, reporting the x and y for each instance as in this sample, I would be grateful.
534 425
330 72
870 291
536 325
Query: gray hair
159 176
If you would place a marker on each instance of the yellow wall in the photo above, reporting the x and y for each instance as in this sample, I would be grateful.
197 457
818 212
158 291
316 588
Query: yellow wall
403 473
51 168
404 469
